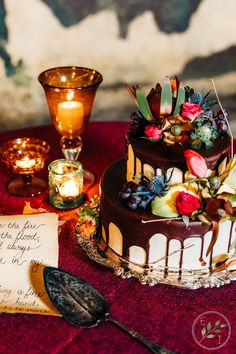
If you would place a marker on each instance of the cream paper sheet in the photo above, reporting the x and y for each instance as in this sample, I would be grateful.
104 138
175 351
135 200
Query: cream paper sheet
28 243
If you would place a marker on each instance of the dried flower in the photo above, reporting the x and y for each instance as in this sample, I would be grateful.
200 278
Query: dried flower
217 209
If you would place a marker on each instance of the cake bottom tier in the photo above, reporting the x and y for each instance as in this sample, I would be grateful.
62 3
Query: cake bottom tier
140 238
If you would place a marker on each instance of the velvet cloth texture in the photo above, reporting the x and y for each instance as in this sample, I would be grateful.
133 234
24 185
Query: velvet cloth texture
162 313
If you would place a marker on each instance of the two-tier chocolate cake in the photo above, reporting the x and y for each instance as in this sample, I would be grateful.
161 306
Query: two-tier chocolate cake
169 204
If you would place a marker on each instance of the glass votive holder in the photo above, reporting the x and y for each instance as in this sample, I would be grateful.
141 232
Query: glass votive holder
65 184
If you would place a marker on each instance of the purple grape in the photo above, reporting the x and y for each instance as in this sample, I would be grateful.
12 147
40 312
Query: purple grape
221 116
137 124
135 199
132 205
222 126
208 113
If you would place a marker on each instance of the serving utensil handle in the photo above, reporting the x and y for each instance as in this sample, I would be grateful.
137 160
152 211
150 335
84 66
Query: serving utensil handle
153 347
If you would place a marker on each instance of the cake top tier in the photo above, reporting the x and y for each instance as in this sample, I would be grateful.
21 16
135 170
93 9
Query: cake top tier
171 123
177 114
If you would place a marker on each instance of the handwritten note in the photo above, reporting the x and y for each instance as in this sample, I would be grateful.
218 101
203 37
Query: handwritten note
28 243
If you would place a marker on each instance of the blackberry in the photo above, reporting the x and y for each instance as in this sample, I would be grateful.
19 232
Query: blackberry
137 124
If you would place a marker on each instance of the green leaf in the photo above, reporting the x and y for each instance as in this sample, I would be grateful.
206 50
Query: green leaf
143 104
217 323
209 326
217 331
185 220
180 99
203 332
224 325
166 98
210 335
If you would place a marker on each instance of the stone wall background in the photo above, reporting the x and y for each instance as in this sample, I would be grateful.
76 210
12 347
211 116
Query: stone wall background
132 41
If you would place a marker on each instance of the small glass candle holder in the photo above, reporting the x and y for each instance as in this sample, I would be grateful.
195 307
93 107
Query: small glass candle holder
25 157
65 184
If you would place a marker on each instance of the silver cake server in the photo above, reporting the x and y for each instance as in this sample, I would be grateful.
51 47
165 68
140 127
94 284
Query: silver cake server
82 305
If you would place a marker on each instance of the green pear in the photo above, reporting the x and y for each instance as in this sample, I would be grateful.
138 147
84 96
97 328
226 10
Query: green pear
165 206
230 181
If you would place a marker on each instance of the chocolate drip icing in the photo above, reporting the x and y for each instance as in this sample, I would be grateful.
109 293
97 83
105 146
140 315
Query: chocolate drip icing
133 231
130 224
158 154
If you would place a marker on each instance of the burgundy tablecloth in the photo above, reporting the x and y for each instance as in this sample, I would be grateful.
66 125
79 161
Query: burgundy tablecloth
161 313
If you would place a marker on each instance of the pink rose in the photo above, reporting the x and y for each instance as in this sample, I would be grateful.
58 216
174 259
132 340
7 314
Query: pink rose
186 203
191 110
153 132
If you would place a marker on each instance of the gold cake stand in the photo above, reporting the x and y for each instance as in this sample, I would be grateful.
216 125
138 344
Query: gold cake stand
153 275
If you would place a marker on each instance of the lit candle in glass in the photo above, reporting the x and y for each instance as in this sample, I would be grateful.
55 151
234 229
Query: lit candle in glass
65 184
70 116
70 189
25 162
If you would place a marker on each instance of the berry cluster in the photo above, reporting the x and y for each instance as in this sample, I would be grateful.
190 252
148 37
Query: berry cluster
220 121
140 195
136 195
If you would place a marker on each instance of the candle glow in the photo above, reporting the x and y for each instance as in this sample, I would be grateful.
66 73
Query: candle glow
69 189
25 162
70 116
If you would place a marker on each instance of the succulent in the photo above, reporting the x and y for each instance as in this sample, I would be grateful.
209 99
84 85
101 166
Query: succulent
204 133
141 101
161 102
176 129
165 108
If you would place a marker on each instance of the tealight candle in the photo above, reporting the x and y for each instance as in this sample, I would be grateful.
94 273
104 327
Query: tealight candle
65 184
25 162
69 189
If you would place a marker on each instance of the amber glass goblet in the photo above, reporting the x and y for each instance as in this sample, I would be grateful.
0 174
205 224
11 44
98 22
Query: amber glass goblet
25 157
70 92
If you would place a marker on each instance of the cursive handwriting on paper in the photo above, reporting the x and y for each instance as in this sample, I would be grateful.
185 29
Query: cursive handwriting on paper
27 244
20 240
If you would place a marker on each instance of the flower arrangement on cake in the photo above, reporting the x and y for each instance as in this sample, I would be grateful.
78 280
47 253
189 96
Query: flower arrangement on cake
174 114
